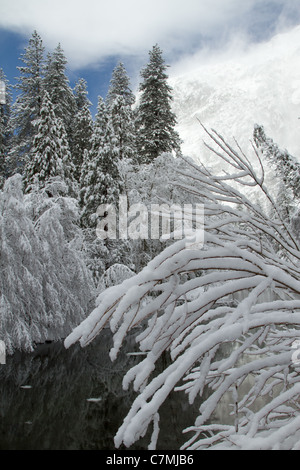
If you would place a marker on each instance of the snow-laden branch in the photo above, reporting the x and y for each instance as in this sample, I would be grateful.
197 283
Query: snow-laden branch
228 315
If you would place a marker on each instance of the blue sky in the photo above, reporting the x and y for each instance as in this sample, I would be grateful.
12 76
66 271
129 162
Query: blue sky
97 34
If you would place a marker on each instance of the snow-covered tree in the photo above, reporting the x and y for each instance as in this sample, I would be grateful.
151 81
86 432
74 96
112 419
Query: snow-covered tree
21 290
102 180
231 333
100 121
99 129
120 100
45 286
113 276
82 128
149 184
109 183
81 94
57 84
26 108
70 287
5 130
286 166
120 86
122 120
82 131
69 168
101 183
89 156
156 121
48 153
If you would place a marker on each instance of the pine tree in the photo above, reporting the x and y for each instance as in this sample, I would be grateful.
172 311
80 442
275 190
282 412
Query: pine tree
47 152
81 94
122 120
5 131
102 181
285 165
156 121
57 85
82 127
120 86
101 119
27 106
90 156
108 155
69 169
119 102
82 131
287 172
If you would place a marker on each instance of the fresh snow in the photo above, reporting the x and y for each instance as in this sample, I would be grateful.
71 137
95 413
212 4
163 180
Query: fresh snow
238 330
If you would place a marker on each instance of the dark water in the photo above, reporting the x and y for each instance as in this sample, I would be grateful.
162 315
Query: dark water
43 400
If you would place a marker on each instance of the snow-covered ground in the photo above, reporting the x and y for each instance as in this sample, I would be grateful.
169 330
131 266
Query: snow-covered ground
258 84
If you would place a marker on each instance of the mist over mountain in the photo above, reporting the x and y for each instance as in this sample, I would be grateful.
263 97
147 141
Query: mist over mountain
230 93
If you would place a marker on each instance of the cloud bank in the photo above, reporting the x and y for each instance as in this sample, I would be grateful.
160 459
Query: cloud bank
92 30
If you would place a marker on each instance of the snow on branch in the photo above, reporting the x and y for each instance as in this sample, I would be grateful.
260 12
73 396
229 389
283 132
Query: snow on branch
227 314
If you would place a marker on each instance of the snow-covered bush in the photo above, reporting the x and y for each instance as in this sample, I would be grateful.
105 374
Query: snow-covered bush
114 275
235 340
45 286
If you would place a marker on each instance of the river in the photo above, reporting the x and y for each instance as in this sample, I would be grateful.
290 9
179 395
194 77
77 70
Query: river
58 399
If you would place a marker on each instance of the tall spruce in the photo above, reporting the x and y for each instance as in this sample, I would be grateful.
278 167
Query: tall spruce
120 100
47 153
82 127
69 168
57 85
90 156
81 94
100 120
27 106
156 121
120 86
82 131
102 179
122 120
102 184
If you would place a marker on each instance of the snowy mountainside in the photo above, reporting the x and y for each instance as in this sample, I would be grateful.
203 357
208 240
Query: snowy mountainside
231 94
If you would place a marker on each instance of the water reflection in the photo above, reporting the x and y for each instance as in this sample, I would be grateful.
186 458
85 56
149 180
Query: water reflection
73 399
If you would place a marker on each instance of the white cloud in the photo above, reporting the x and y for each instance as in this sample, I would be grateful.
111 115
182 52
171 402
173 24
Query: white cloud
259 83
92 30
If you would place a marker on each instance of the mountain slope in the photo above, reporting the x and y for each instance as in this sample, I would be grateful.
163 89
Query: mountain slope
231 94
